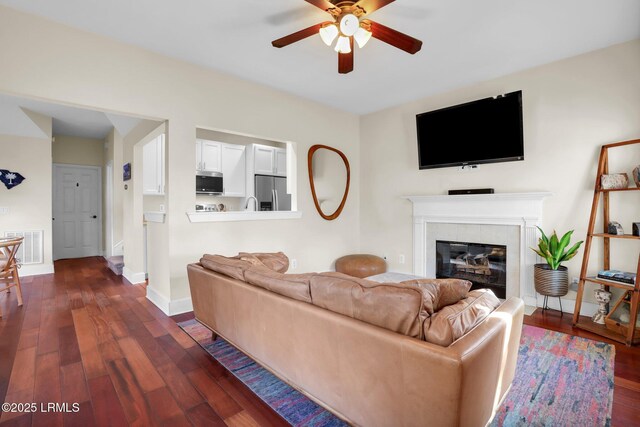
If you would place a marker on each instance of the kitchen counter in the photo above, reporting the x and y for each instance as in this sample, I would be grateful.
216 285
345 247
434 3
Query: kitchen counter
204 216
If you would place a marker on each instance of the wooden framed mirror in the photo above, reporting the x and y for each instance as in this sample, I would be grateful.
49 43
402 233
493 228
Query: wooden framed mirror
329 177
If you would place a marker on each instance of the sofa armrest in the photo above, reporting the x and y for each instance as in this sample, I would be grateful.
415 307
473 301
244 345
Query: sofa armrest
488 357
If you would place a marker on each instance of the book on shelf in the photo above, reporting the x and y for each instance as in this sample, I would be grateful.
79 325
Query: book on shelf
618 276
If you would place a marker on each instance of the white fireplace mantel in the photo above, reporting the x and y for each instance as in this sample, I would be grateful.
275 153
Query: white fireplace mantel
518 209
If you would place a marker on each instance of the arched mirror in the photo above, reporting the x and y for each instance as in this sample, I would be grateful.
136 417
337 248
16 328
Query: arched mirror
329 177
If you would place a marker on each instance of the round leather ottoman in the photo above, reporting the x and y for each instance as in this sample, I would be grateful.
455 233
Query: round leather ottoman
361 265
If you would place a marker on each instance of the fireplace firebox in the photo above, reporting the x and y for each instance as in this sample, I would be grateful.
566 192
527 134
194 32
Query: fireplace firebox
484 265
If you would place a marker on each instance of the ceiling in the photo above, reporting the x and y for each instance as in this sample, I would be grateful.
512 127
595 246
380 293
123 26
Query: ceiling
465 41
68 121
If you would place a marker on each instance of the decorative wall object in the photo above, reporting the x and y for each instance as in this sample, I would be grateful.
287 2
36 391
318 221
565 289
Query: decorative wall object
614 181
615 228
10 179
636 176
126 172
636 229
318 150
602 297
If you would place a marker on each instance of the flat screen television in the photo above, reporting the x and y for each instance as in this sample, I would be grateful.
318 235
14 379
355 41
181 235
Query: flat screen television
484 131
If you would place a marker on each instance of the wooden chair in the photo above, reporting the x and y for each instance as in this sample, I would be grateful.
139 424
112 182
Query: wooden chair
9 266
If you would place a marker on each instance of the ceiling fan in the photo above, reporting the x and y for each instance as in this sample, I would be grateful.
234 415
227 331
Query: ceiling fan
349 26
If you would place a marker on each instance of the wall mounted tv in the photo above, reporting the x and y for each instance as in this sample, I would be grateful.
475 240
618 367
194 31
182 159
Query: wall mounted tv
485 131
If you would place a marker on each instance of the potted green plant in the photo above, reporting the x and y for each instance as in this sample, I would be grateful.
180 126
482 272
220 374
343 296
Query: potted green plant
552 279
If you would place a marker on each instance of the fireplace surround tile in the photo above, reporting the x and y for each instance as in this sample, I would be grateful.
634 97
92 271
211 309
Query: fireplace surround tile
509 217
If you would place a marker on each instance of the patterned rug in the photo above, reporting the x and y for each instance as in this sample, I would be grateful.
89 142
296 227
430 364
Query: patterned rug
560 380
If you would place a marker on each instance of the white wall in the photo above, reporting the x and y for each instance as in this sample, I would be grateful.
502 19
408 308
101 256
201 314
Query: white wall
571 108
113 154
30 202
54 62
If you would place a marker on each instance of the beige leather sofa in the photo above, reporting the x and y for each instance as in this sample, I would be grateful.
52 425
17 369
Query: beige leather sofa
381 374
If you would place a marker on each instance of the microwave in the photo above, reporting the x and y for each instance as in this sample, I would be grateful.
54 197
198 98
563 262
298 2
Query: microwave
210 183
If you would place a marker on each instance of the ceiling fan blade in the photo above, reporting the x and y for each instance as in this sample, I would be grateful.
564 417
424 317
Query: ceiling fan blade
300 35
325 5
372 5
395 38
345 61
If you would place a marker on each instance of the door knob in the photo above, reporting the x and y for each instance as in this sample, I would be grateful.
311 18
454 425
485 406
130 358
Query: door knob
95 216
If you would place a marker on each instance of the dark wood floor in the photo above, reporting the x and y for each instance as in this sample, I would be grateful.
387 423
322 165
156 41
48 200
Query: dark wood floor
85 336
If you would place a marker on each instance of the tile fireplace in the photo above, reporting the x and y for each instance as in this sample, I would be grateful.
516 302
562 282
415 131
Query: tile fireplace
483 264
506 220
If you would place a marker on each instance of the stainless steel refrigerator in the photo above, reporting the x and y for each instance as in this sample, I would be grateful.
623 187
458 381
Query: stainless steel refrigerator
271 192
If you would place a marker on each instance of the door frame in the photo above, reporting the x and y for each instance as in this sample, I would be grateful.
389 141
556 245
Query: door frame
57 166
108 208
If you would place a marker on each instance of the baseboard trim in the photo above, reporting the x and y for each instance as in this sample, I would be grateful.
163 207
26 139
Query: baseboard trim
587 309
158 300
133 278
35 270
168 307
180 306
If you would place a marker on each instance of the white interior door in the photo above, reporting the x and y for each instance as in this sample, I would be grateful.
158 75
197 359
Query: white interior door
76 211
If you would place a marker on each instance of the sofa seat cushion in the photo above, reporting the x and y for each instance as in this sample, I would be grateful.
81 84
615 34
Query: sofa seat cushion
276 261
453 321
387 305
439 293
231 267
294 286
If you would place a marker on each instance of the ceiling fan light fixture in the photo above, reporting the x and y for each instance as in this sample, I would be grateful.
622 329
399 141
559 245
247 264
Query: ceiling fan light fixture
343 45
362 36
349 24
329 33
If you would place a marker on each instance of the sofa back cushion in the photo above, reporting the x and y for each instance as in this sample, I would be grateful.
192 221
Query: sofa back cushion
439 293
294 286
453 321
276 261
231 267
391 306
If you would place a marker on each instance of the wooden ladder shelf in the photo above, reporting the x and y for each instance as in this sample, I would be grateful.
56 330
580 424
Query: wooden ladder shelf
628 338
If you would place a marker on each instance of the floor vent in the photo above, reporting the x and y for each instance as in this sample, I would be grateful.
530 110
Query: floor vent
32 250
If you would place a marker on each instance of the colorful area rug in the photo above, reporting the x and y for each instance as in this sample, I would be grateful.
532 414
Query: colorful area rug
560 380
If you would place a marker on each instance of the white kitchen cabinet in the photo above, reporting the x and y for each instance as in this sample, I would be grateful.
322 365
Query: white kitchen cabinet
153 167
234 169
264 159
208 156
269 160
281 161
198 154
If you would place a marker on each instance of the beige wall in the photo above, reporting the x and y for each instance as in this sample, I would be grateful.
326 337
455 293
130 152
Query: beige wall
133 200
30 202
100 73
74 150
571 108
